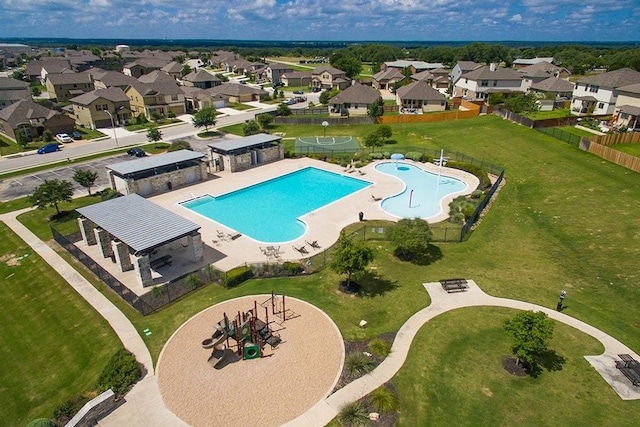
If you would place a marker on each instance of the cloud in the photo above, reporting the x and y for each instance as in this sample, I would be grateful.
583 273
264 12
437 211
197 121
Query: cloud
516 18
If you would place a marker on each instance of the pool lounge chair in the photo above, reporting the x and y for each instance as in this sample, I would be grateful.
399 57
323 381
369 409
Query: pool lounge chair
375 199
221 235
313 244
302 250
348 168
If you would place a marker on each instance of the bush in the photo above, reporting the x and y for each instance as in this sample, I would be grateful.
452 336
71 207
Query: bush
414 155
237 275
40 422
476 194
64 412
358 164
353 415
386 155
121 372
293 268
47 136
171 115
358 364
376 156
383 400
379 347
179 145
480 173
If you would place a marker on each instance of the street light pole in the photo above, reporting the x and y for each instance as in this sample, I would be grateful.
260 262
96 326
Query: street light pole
113 125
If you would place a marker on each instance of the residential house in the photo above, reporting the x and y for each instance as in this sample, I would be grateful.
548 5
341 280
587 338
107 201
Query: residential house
419 97
156 99
34 69
174 69
143 66
414 66
64 86
197 99
32 119
275 71
524 62
237 92
483 81
241 66
101 108
385 79
598 94
462 67
221 57
559 88
627 109
12 90
354 101
156 76
535 73
82 60
296 78
438 78
328 77
103 79
201 79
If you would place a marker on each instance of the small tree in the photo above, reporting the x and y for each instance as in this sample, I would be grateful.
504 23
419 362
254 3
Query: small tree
384 131
47 136
530 333
51 193
350 258
35 90
374 110
186 69
373 140
283 110
22 140
264 120
411 237
205 117
154 134
251 127
86 178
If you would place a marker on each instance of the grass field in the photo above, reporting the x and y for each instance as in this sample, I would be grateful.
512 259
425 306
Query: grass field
633 149
565 220
575 131
54 345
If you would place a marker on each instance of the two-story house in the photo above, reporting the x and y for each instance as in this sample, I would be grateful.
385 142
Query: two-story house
174 69
144 66
103 79
101 108
385 79
353 101
462 67
64 86
328 77
32 119
201 79
483 81
627 110
12 90
296 78
598 94
535 73
155 99
275 71
51 65
419 97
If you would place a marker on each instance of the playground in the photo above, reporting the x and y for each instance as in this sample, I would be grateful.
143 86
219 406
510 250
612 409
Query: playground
325 144
289 378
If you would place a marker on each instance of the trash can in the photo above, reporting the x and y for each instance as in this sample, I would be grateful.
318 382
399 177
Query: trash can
361 216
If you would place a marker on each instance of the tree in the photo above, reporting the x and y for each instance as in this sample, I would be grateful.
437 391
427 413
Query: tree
522 104
374 110
35 91
186 69
530 332
50 193
373 140
154 134
86 178
384 131
251 127
205 117
283 110
350 257
411 237
264 120
179 145
22 140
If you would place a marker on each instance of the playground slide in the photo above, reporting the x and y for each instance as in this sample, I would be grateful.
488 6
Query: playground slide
222 338
227 358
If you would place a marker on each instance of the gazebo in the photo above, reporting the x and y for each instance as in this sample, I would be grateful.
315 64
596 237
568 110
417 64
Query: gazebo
243 153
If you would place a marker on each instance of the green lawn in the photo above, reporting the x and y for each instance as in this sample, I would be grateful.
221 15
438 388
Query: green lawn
553 114
240 107
90 133
575 131
54 345
147 125
633 149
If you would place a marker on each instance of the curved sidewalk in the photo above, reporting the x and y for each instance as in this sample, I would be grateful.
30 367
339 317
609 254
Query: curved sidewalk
441 302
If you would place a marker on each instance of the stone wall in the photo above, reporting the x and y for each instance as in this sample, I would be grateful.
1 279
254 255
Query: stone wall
240 162
160 183
94 410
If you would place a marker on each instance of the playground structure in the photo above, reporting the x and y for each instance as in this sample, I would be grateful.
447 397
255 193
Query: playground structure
247 333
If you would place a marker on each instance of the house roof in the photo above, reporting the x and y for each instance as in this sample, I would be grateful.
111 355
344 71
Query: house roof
113 94
466 66
35 67
111 78
153 162
329 69
149 62
357 94
14 94
160 87
69 78
388 74
418 65
297 75
23 111
156 76
230 145
632 88
172 67
198 93
420 90
200 76
423 75
279 66
9 83
235 89
629 109
613 79
531 61
137 222
553 84
485 73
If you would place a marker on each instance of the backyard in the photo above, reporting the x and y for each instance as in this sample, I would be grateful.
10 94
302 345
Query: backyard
545 232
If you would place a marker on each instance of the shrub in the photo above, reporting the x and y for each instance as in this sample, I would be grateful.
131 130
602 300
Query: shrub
379 347
476 194
376 156
480 173
179 145
358 164
358 364
353 415
237 275
292 268
171 115
64 412
386 155
40 422
47 136
414 155
383 400
121 372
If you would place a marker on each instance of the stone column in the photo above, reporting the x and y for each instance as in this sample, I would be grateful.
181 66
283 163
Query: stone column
123 259
143 270
195 246
86 229
104 242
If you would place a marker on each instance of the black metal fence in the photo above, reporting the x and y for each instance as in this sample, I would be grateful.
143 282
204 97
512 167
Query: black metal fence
333 121
559 134
466 228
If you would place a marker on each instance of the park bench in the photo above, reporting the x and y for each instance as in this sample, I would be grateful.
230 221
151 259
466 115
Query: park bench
454 285
161 262
630 368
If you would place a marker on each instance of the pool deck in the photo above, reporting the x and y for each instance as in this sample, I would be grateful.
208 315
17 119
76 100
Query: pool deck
323 224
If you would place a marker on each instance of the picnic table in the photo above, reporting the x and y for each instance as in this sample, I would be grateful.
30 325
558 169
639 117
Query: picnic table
454 285
630 368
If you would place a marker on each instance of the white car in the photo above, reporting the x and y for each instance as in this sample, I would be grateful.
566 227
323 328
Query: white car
64 138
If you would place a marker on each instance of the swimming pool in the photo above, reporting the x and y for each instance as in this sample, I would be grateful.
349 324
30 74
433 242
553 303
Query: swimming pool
269 211
423 191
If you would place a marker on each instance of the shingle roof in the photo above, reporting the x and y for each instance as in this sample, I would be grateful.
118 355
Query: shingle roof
418 65
113 94
153 162
485 73
388 74
533 60
541 69
172 67
112 78
9 83
69 78
632 88
357 94
149 62
14 94
35 67
162 88
329 69
156 76
245 142
613 79
279 66
25 110
297 75
423 75
235 89
419 90
137 222
467 65
553 84
200 76
629 109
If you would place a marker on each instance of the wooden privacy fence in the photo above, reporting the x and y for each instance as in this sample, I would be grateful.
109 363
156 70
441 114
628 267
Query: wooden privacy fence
615 156
616 138
469 110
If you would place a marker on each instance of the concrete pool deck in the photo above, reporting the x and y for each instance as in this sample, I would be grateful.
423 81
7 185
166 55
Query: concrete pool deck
323 225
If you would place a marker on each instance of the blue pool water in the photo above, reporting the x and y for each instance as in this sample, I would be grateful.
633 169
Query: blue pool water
269 211
422 194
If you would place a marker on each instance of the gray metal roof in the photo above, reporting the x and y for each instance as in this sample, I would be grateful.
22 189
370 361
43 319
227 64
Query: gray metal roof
139 223
152 162
245 142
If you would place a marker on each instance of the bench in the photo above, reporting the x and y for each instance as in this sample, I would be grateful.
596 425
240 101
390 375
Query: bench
160 262
454 285
629 361
632 374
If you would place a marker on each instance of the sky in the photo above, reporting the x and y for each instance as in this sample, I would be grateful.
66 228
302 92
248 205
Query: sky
351 20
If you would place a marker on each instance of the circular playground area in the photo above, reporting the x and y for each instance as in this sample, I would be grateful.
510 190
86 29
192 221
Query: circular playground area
266 391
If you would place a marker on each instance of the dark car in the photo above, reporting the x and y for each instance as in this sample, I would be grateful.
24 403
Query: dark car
76 135
49 148
316 90
277 85
136 151
298 92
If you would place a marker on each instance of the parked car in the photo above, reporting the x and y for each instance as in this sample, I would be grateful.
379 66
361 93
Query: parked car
316 90
300 98
76 135
64 138
277 85
136 151
48 148
289 101
298 92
